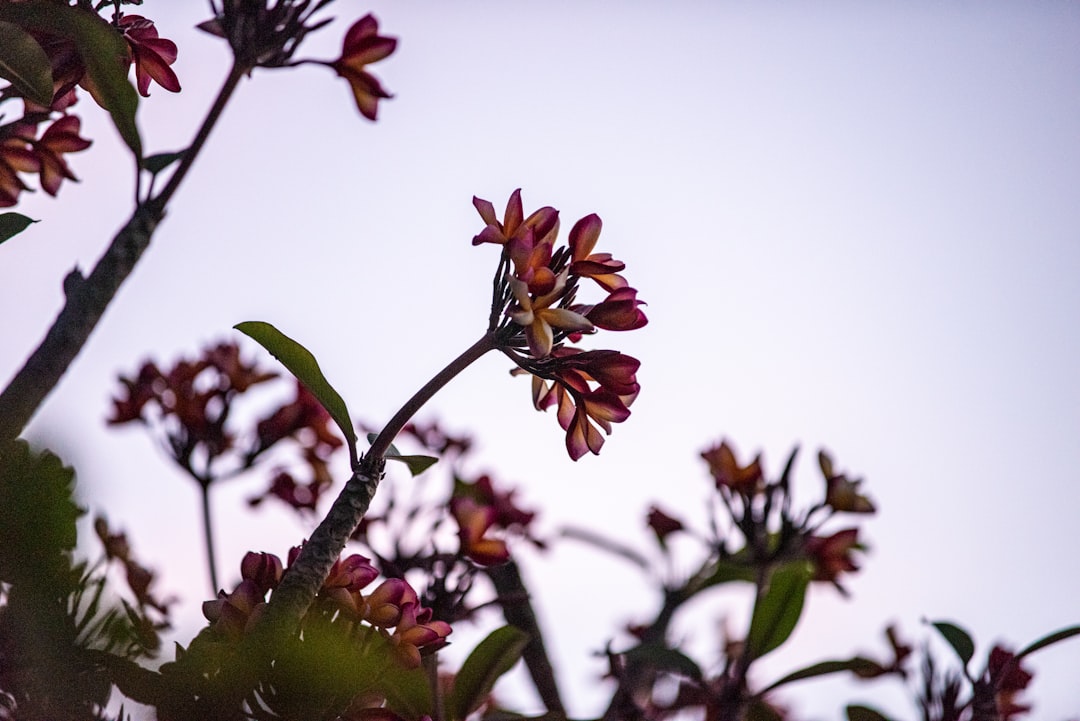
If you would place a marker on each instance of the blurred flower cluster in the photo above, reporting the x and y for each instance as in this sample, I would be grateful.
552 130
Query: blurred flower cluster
535 315
27 148
190 406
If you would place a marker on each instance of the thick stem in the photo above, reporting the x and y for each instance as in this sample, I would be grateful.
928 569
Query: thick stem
87 299
518 611
305 576
208 535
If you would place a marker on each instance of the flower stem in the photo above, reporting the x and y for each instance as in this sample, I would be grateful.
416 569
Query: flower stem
305 576
208 534
390 430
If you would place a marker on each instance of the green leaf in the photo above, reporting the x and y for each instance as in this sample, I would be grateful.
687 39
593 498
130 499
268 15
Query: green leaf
303 365
156 163
958 638
25 65
493 657
1048 640
11 224
415 464
103 50
726 571
858 665
663 657
777 612
407 691
37 516
864 713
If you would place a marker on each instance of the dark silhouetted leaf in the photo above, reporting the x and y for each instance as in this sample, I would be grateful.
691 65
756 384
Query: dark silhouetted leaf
156 163
857 665
493 657
303 365
1049 640
11 224
25 65
958 638
660 656
864 713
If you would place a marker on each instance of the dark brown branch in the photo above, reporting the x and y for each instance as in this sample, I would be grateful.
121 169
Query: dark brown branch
86 302
519 613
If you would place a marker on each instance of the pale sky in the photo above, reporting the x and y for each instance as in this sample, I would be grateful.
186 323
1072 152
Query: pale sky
856 226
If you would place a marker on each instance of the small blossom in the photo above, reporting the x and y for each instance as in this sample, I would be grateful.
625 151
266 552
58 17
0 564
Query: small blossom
543 223
662 524
727 472
1008 678
60 137
16 156
474 521
416 633
362 46
832 555
601 267
842 494
539 319
262 569
151 55
619 311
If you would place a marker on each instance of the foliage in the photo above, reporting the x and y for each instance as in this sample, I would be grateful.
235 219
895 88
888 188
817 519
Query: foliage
330 634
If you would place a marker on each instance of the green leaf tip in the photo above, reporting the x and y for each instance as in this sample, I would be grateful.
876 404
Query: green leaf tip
958 638
302 364
11 224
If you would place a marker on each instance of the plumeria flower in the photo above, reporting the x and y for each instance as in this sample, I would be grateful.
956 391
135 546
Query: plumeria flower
59 138
841 493
151 55
832 555
536 315
544 223
416 634
16 156
601 267
727 472
362 46
474 521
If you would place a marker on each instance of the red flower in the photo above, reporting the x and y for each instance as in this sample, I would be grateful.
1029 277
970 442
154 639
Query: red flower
474 521
662 524
619 311
416 632
151 54
727 472
60 137
832 555
842 494
601 267
543 223
362 46
16 156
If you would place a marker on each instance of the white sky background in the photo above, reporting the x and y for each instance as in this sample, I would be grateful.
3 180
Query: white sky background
856 225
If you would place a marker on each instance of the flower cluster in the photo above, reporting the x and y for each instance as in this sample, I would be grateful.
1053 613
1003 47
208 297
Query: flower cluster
392 608
24 150
535 314
191 403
